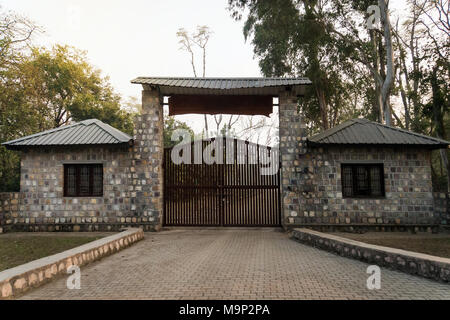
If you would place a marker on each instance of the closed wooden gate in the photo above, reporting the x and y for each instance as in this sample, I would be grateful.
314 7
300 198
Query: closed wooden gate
231 193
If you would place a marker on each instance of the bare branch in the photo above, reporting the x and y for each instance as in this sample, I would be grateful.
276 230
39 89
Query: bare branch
185 41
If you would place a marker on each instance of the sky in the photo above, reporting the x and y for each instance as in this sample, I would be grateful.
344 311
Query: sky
127 39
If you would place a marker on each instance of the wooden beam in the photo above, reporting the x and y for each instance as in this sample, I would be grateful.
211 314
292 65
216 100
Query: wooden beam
227 104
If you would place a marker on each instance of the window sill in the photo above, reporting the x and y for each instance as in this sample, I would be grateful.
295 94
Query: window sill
365 198
83 197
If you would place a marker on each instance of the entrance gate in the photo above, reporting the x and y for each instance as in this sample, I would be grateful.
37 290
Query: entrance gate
230 193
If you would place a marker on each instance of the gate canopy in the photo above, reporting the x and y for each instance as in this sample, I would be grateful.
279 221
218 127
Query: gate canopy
247 96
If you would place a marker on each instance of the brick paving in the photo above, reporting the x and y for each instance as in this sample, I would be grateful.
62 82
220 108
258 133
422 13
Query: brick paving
233 264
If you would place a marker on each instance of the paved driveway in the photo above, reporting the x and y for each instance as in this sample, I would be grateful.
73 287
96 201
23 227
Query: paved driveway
233 264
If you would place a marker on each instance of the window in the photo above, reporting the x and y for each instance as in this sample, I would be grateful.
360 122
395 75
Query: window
362 180
83 180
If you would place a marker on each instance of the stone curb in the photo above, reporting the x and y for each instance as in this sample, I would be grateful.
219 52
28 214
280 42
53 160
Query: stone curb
418 264
17 280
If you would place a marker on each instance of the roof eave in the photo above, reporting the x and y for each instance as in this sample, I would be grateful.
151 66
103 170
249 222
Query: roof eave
13 147
314 144
187 86
88 132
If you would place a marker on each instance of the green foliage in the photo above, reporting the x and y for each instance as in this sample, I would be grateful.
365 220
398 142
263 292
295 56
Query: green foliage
438 173
16 116
43 88
64 87
9 170
328 41
170 125
291 38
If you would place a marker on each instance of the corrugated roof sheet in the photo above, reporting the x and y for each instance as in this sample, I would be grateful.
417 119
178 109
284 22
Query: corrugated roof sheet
87 132
252 86
363 131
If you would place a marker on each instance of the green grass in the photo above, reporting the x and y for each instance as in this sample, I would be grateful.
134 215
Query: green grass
19 249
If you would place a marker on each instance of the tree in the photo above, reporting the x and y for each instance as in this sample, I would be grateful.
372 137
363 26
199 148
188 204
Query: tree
389 77
42 89
16 118
170 125
291 38
261 130
376 71
64 87
16 33
200 38
369 45
435 19
423 44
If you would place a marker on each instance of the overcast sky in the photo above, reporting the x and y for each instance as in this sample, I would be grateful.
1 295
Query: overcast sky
126 39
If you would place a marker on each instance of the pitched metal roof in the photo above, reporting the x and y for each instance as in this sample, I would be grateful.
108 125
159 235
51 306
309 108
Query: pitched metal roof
365 132
231 86
87 132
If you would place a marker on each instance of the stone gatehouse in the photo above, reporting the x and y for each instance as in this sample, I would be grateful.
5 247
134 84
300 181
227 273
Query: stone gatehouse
89 176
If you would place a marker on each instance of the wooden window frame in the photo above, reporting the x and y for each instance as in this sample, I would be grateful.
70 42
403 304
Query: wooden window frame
367 166
77 167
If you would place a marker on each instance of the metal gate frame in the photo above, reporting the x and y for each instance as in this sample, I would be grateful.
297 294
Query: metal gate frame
229 199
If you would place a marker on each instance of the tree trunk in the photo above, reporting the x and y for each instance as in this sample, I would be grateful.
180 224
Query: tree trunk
389 79
437 97
403 71
446 164
404 100
323 107
378 104
438 120
206 126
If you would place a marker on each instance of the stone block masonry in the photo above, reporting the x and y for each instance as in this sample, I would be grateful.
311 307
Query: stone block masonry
408 196
43 207
419 264
292 148
442 207
132 183
16 281
311 183
147 172
9 209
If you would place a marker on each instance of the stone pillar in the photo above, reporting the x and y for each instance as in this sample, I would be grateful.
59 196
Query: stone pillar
147 171
292 147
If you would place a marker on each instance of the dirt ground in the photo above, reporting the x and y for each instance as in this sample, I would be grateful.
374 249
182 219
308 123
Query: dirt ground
423 242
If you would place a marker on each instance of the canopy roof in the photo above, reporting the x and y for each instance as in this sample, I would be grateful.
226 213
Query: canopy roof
365 132
87 132
223 86
246 96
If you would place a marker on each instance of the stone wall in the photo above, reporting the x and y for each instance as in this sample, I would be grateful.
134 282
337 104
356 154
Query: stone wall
18 280
442 207
418 264
9 209
43 206
319 201
147 183
132 183
292 149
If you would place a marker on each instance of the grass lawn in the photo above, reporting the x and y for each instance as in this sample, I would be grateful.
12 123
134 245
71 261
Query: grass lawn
433 244
20 248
